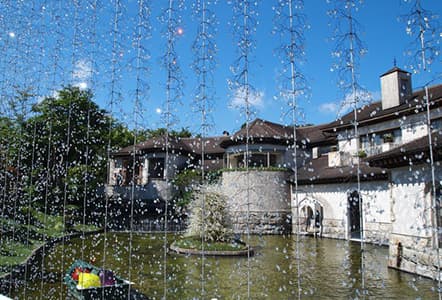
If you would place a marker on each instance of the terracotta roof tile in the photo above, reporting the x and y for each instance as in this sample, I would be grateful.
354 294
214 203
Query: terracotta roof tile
261 131
373 113
317 171
185 145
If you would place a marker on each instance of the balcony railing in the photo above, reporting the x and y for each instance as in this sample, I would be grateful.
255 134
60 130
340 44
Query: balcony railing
376 149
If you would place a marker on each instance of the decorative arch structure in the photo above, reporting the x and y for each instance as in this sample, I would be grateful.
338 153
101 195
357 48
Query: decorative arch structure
311 215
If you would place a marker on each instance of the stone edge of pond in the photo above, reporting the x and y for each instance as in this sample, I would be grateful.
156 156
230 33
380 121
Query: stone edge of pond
211 253
19 269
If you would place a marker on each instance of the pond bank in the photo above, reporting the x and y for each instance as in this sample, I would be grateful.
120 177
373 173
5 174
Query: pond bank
15 276
328 269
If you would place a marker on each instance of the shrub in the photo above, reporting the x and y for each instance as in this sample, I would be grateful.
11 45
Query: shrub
209 217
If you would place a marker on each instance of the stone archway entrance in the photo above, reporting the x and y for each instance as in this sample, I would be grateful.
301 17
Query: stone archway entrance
312 214
354 215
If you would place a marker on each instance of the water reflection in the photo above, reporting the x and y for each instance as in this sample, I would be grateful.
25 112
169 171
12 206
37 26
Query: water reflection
329 269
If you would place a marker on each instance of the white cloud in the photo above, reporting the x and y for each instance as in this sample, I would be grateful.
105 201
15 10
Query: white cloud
254 98
82 73
361 97
53 94
328 108
341 107
82 85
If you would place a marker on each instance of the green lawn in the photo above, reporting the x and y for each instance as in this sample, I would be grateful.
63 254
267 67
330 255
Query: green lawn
44 227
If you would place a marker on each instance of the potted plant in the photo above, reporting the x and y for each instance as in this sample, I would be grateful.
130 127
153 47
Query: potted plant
362 154
387 137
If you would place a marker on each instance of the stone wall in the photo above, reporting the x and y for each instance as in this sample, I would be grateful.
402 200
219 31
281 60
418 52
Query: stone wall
156 189
259 199
413 255
377 232
260 222
333 228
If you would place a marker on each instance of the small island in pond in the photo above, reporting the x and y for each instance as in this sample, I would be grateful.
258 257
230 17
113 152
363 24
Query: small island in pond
210 231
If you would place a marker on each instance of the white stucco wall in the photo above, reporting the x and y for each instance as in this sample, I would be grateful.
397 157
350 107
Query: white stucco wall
414 130
334 197
390 90
412 244
348 145
411 199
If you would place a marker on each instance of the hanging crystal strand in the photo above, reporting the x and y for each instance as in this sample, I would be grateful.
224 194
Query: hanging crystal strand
92 57
38 14
9 60
30 198
75 46
434 201
5 7
244 23
113 99
20 118
173 89
204 50
423 27
5 159
46 195
19 107
142 34
8 158
349 49
290 25
56 17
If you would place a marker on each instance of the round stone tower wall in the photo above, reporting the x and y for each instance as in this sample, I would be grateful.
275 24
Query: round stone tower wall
259 201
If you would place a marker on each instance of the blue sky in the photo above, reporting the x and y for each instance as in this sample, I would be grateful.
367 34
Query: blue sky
72 52
383 34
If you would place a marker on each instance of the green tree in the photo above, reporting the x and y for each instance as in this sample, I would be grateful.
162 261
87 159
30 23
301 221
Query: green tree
73 135
151 133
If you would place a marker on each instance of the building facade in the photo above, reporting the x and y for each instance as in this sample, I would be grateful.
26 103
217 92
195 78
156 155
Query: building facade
378 181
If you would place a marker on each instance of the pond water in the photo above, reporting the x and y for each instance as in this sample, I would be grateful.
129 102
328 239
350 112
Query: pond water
328 269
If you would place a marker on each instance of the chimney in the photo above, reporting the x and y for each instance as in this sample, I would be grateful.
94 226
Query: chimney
225 133
395 87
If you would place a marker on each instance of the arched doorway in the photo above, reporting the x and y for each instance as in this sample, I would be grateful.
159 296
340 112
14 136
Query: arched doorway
307 213
354 215
312 215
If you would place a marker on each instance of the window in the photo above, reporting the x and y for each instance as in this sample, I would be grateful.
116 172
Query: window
393 136
156 168
439 214
436 124
258 160
371 143
118 163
